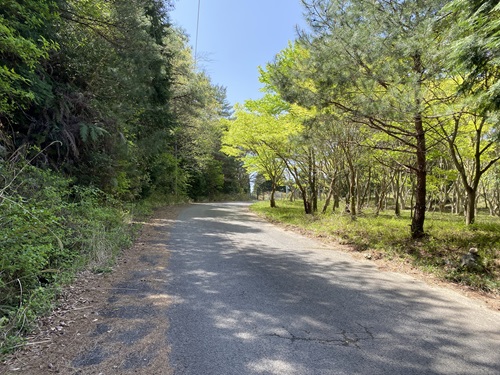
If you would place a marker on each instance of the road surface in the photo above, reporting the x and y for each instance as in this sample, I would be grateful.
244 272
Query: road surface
251 298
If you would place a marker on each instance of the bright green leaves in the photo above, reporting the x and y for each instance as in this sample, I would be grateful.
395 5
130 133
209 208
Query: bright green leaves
24 44
290 76
260 125
261 135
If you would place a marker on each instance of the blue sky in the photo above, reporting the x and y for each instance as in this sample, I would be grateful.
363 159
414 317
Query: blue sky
237 36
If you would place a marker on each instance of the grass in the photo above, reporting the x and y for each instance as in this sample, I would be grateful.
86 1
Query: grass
440 252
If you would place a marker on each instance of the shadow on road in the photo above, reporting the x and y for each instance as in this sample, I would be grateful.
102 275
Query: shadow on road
263 301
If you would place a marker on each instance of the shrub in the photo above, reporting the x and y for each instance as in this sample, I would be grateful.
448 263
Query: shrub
50 228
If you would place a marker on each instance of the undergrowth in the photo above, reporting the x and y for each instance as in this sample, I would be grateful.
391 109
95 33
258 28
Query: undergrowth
440 252
50 230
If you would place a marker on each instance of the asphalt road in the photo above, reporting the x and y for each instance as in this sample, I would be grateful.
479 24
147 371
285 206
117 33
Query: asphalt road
250 298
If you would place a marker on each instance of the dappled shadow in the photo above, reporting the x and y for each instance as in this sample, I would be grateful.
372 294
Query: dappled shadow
258 301
128 332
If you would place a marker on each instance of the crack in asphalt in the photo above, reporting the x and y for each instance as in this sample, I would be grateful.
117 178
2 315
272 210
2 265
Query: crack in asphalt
347 338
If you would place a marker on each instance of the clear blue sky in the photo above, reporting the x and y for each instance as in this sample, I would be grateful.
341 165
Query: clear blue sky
237 36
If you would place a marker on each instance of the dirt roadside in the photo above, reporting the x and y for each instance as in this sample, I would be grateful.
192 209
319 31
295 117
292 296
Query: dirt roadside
112 323
116 323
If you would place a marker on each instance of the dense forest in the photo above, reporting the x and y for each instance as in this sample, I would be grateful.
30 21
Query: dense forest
103 112
382 100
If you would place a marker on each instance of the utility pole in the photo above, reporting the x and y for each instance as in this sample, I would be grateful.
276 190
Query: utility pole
196 40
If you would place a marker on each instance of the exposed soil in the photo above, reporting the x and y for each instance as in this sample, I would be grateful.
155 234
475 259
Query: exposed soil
113 323
116 323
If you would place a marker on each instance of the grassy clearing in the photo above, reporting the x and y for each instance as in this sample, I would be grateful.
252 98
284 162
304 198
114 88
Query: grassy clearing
440 253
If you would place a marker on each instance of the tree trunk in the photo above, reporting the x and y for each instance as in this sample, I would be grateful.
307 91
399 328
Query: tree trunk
330 194
470 211
303 191
397 208
307 207
273 190
377 199
365 194
380 197
457 204
352 187
488 202
327 201
306 202
417 224
313 173
352 193
336 201
404 192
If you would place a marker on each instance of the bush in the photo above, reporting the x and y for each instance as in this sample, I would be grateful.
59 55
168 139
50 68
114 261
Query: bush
50 229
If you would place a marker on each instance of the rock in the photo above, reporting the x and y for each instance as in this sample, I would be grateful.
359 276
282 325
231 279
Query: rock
471 259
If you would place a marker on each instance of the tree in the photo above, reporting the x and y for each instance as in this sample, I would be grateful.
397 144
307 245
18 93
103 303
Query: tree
472 91
348 138
372 61
199 106
25 43
472 151
257 135
118 104
473 32
331 164
105 93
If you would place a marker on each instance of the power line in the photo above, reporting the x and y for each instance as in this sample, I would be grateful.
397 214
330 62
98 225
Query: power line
197 29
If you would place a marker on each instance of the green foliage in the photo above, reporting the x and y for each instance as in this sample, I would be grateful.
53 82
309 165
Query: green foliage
261 135
207 182
24 43
440 253
31 217
393 88
50 228
474 50
15 321
119 92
